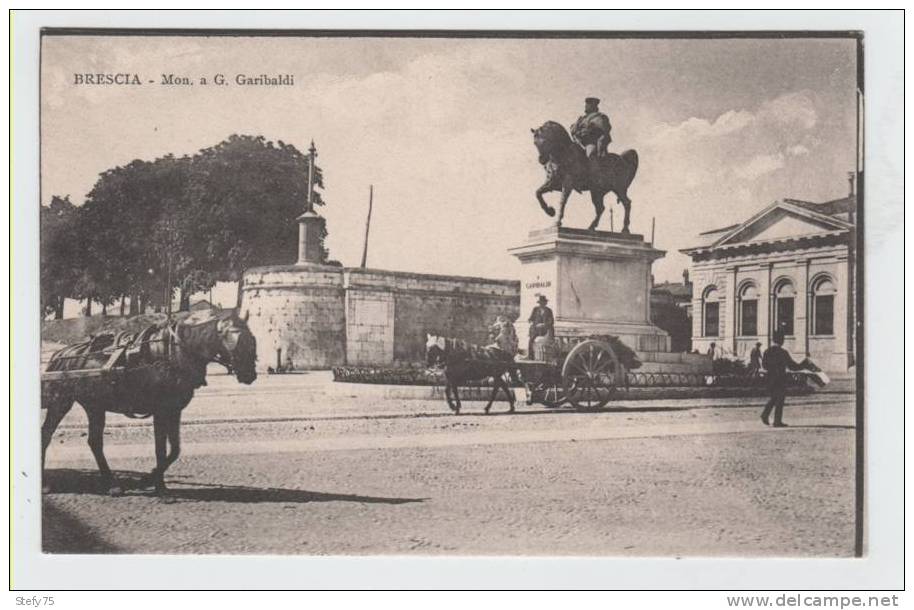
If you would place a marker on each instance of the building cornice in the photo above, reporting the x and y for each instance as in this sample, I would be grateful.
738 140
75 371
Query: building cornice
772 246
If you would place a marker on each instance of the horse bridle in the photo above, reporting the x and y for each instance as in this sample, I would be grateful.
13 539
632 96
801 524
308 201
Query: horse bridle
218 357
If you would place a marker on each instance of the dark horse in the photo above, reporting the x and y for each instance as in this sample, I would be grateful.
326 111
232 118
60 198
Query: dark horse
568 169
464 362
162 367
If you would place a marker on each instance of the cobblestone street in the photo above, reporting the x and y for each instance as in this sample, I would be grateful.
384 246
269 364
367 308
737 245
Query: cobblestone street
300 465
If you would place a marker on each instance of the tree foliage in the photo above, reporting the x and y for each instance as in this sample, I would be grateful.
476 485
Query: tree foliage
59 250
246 195
151 226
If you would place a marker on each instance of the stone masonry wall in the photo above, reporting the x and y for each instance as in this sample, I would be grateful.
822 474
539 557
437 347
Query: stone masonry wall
298 310
414 304
324 316
463 316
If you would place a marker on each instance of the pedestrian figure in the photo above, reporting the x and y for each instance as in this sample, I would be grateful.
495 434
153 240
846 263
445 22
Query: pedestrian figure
777 361
712 349
542 324
755 360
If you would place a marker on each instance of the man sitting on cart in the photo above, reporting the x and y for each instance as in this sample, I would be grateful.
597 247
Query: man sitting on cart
542 324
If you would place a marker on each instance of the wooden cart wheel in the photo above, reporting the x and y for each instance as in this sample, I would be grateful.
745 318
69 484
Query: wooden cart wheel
549 392
591 373
544 385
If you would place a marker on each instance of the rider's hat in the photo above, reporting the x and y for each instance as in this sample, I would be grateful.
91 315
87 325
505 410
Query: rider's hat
592 100
541 298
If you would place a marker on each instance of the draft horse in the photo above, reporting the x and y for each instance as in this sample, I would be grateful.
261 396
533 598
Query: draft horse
463 362
569 169
162 367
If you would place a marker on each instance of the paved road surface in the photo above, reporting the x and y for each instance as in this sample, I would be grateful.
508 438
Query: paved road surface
300 465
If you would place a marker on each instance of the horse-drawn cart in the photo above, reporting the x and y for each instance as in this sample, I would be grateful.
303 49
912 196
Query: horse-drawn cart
584 373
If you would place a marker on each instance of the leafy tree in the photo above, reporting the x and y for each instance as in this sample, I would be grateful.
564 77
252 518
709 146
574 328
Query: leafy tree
122 222
246 194
60 254
151 226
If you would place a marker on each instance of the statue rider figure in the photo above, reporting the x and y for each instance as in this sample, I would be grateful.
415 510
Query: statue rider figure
591 130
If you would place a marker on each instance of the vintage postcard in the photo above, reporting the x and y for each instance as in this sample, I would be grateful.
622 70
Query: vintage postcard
469 293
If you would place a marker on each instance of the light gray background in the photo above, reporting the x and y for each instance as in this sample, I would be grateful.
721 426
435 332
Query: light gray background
880 569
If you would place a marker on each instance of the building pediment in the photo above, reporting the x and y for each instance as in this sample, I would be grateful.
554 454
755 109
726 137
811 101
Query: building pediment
781 221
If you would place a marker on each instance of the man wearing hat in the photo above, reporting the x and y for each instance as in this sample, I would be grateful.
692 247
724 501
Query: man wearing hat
542 323
591 130
777 362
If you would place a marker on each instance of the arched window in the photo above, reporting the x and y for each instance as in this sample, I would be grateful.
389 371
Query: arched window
711 312
823 306
784 294
748 310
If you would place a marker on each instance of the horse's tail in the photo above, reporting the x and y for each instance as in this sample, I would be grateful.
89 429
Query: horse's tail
630 157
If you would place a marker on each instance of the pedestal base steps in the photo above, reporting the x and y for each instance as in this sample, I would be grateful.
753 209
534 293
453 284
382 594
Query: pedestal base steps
666 362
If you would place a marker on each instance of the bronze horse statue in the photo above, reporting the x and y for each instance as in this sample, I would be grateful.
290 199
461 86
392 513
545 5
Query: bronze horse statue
162 367
568 169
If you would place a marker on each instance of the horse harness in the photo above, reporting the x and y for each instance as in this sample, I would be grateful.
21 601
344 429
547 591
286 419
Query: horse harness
156 345
473 353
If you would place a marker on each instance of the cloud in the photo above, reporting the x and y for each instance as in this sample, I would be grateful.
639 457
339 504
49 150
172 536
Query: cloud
723 152
792 110
728 123
440 128
759 165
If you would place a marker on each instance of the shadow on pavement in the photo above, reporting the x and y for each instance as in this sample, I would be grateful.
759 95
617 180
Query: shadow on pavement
62 533
73 481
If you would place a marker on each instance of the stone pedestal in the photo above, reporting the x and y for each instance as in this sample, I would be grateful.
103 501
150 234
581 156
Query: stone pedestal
310 225
597 282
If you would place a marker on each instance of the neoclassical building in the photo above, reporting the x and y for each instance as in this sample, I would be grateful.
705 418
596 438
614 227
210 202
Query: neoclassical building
789 267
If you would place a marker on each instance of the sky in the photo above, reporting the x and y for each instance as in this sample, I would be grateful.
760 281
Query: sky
441 129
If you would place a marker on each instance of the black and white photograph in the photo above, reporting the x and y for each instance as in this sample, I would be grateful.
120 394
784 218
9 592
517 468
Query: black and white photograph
452 293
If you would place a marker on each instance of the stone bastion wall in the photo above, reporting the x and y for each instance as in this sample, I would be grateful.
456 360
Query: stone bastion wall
322 316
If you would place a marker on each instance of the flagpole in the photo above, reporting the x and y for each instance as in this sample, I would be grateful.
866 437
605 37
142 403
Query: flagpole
367 226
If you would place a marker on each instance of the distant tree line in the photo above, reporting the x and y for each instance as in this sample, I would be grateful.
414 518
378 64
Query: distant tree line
195 219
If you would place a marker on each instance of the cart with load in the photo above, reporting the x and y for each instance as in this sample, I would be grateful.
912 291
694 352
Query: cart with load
584 372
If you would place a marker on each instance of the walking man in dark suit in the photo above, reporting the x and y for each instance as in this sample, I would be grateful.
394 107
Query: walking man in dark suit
777 362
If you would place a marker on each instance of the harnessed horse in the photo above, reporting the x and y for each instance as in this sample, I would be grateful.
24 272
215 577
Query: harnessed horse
464 362
568 169
162 367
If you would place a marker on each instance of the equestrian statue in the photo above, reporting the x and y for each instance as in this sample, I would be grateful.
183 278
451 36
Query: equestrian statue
579 162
